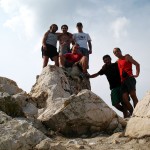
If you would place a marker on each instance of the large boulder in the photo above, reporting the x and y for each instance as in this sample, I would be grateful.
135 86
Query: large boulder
12 98
139 125
18 134
67 105
84 113
55 83
17 103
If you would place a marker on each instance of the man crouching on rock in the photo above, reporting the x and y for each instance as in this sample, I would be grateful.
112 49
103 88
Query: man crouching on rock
74 58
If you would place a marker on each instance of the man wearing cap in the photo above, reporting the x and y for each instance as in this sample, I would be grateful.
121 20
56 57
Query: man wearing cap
83 39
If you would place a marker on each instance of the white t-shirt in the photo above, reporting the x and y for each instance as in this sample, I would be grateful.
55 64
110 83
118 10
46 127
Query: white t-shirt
82 39
51 39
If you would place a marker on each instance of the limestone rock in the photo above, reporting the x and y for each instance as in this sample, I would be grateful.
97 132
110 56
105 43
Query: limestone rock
77 83
18 134
67 105
10 106
53 83
79 114
139 125
46 144
64 103
9 86
17 104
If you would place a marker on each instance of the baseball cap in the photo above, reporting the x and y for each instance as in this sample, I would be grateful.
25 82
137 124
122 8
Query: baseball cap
79 24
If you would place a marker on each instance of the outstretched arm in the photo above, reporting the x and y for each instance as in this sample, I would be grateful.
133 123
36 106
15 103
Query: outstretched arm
101 72
93 75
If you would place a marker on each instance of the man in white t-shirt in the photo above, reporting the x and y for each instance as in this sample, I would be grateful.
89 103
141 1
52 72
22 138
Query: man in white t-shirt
83 39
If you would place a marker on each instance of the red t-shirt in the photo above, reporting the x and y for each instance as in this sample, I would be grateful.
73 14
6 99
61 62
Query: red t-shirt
70 57
124 66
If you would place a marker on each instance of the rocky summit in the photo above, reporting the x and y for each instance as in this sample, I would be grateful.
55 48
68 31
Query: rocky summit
62 113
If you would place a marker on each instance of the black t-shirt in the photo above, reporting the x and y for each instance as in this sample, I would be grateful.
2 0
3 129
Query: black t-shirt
112 73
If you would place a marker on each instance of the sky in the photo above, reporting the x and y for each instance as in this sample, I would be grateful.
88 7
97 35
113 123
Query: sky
110 23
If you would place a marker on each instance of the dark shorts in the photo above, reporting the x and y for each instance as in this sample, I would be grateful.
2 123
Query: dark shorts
50 52
128 85
84 52
116 96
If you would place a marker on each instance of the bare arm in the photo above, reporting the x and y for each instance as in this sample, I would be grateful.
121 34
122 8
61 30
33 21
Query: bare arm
90 47
71 38
137 65
58 35
93 75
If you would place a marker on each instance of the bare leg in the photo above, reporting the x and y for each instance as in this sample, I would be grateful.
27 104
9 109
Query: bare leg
123 109
55 58
127 103
61 61
45 61
84 63
134 97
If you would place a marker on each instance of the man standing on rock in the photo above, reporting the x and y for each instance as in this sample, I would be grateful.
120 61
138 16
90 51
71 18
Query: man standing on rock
65 39
112 73
128 82
49 46
84 40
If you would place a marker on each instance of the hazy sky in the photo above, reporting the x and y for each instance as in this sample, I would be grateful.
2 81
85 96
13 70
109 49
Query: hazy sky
110 23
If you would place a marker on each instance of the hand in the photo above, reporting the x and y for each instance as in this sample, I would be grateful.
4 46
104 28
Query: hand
135 76
90 51
44 47
75 63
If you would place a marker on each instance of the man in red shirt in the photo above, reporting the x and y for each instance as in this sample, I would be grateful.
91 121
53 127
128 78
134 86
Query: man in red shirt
74 58
128 82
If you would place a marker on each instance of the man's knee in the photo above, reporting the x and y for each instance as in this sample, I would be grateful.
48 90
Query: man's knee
133 93
84 59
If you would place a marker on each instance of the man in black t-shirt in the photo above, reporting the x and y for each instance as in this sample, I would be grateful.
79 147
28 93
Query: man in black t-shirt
112 73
